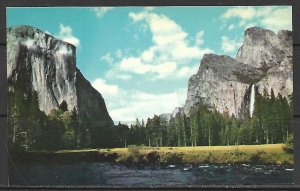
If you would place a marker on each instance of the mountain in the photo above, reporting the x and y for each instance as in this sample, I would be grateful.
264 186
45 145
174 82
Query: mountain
36 61
263 62
165 116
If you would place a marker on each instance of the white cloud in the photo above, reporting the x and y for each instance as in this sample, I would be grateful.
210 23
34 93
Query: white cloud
231 26
278 19
134 65
112 74
170 48
199 38
188 71
66 34
104 88
107 58
273 18
142 105
101 11
129 104
242 12
148 55
230 45
248 25
124 76
119 53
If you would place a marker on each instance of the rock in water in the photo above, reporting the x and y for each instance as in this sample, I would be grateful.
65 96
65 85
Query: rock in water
36 61
224 83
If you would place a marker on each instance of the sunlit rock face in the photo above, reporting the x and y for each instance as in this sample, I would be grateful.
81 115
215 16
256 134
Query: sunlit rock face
36 61
274 53
224 83
221 83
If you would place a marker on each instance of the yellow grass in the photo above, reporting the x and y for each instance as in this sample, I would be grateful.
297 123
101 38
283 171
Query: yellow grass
245 148
255 154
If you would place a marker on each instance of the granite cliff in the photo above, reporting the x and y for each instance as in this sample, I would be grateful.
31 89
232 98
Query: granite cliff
36 61
225 83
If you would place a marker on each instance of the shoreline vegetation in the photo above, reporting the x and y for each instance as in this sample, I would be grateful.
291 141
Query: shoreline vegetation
268 154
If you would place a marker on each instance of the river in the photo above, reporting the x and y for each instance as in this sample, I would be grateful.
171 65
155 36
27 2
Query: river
108 174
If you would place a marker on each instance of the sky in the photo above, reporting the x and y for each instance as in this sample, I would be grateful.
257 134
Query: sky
140 58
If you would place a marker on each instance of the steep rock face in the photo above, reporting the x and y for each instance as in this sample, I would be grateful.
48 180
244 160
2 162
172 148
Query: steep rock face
90 102
177 110
223 83
264 49
165 116
39 62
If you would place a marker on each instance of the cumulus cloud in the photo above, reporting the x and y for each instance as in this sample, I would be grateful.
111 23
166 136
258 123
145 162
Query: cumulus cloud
246 13
230 45
170 48
104 88
270 17
187 71
101 11
117 75
141 105
199 38
107 58
66 34
129 104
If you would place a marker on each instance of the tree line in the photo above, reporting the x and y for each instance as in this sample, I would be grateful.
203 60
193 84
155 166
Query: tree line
32 129
271 123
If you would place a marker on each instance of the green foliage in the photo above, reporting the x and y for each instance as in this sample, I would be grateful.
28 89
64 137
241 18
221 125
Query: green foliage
289 144
31 129
63 106
171 158
271 123
134 152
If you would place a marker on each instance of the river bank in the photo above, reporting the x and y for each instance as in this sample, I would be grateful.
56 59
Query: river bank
137 155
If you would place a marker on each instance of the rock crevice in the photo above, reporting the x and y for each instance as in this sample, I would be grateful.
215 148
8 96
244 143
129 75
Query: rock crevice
36 61
264 60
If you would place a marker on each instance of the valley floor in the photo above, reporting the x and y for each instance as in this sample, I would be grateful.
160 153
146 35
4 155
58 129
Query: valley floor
243 154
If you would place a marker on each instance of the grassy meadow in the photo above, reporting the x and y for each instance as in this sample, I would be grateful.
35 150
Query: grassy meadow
243 154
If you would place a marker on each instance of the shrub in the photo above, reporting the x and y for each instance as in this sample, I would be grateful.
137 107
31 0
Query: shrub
289 145
152 157
261 157
134 152
171 158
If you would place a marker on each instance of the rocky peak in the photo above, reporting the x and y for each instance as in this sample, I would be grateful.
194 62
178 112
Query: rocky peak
262 48
229 69
224 83
177 110
37 61
259 36
165 116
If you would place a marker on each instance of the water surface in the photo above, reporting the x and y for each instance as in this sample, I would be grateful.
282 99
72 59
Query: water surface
107 174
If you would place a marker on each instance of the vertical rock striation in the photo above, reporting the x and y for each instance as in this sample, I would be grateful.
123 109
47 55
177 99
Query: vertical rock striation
36 61
224 83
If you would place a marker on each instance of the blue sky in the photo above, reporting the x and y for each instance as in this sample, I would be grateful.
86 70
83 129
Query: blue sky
140 58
